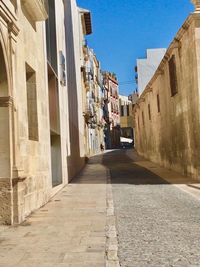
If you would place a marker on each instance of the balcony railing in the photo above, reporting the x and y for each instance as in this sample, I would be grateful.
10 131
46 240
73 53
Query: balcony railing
36 9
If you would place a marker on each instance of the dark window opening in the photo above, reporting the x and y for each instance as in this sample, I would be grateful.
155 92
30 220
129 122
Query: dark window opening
122 111
111 91
149 111
158 103
173 76
143 118
32 103
128 113
51 35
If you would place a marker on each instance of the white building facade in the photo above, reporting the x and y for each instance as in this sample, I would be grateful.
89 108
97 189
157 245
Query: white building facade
146 67
77 25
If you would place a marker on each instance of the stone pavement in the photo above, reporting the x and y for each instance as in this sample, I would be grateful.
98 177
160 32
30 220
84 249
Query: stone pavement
75 229
157 214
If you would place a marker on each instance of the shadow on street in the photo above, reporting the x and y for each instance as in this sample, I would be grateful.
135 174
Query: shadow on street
123 169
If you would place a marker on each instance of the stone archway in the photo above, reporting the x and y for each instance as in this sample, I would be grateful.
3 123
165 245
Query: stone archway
5 147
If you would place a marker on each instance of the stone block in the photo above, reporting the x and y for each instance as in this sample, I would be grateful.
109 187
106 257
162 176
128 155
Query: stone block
5 201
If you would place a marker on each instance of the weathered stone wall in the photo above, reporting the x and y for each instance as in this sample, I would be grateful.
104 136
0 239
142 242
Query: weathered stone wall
170 136
25 173
8 32
26 177
32 156
5 201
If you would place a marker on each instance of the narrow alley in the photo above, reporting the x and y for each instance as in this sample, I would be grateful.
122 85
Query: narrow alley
156 214
99 133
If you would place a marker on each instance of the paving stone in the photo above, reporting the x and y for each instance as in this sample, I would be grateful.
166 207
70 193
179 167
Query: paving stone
93 264
112 255
69 231
157 222
112 264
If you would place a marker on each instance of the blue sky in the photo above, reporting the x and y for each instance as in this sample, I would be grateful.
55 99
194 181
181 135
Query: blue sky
124 29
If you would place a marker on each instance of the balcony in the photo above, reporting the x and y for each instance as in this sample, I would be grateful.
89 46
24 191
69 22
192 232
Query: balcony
90 118
35 9
85 52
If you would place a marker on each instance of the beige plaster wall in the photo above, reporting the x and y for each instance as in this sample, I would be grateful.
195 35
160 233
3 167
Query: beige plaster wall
76 148
171 137
63 92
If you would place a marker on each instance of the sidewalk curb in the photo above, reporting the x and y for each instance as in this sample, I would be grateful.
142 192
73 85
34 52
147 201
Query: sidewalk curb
112 259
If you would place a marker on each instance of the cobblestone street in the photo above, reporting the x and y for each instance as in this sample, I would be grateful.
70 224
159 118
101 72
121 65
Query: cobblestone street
158 222
156 213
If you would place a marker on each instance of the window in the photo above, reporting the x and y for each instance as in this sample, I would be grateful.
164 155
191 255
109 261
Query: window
138 122
158 103
127 110
111 91
31 103
122 111
149 111
143 118
51 35
173 75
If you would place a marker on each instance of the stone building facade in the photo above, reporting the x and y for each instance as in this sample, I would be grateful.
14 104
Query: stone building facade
146 67
93 99
41 103
111 110
24 112
167 114
126 117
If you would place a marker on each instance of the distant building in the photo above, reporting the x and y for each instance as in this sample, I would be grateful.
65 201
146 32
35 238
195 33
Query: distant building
111 110
126 117
146 67
93 102
133 97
